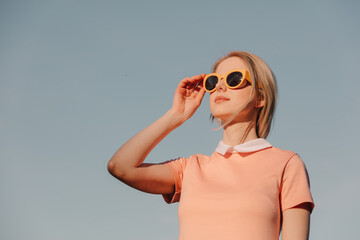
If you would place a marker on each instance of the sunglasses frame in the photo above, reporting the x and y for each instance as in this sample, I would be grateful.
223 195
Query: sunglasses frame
245 73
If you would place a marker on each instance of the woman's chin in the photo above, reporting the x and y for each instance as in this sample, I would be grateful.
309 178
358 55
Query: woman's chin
222 116
225 116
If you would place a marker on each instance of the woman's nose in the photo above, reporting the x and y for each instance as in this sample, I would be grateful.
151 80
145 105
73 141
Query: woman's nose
221 85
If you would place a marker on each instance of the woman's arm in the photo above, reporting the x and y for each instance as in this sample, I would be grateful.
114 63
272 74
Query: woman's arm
296 223
127 163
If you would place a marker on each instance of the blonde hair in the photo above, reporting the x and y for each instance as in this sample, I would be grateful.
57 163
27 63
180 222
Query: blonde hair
262 75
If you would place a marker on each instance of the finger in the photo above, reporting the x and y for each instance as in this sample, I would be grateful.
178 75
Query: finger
192 79
183 83
197 77
200 95
198 85
199 81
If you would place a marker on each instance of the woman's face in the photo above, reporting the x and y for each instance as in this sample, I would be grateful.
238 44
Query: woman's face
224 102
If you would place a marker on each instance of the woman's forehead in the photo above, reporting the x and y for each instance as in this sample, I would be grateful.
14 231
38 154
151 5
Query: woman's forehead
231 63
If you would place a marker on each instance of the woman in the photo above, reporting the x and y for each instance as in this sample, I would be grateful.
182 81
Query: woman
247 189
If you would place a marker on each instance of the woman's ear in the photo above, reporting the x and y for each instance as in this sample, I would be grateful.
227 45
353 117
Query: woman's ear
260 99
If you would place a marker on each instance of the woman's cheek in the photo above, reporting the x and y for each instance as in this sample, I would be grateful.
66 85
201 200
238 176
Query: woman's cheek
211 103
212 110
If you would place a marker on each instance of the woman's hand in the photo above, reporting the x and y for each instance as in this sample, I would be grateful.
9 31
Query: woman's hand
187 98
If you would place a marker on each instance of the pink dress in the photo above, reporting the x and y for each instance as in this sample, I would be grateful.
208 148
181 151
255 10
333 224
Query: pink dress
239 192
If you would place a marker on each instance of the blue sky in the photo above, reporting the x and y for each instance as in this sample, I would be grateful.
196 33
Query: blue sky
79 78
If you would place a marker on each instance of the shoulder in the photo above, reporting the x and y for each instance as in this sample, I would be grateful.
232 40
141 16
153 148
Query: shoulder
199 158
279 154
289 160
185 161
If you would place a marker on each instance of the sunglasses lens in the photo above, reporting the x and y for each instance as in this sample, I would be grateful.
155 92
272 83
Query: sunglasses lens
211 83
234 79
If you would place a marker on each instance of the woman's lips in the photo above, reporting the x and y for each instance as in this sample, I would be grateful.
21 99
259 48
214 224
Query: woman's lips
220 99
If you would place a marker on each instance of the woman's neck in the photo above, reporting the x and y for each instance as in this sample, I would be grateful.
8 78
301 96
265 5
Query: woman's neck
233 133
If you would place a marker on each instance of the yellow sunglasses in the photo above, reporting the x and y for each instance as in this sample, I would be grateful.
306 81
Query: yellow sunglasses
233 79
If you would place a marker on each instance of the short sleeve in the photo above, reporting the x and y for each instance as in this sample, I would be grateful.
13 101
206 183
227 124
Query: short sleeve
177 167
295 184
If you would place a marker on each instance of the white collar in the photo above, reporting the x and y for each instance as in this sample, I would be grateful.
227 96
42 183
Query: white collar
250 146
